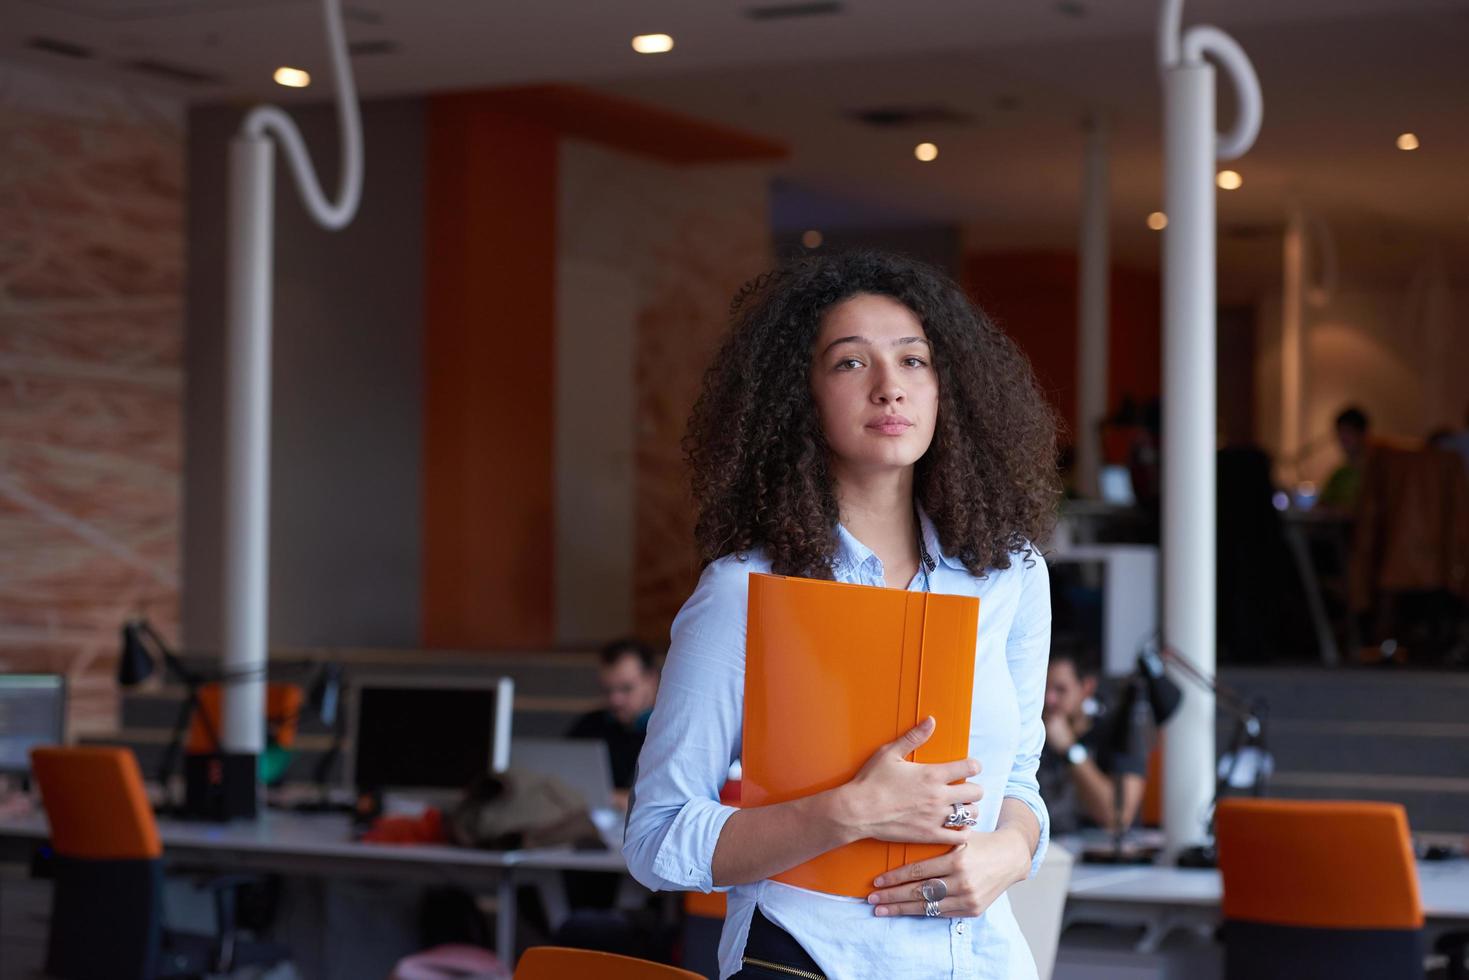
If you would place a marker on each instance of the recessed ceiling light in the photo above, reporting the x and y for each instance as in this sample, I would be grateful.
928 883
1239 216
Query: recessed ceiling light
292 77
1157 221
1229 180
1408 141
811 239
927 152
652 43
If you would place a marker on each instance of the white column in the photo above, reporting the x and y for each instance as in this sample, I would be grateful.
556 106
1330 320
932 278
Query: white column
245 579
247 444
1188 439
1189 378
1094 260
1293 347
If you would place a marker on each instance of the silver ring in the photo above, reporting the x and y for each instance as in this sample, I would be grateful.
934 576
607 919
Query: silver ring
961 817
931 909
934 890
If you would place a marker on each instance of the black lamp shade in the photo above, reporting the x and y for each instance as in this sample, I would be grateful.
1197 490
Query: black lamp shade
134 663
1164 696
326 693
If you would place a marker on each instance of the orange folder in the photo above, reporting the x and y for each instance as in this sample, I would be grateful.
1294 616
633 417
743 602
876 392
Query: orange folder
832 671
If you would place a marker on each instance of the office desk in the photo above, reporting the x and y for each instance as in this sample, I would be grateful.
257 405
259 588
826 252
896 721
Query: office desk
320 845
1164 898
1157 897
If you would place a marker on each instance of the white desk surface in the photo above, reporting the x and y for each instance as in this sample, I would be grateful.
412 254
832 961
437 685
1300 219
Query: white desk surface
1444 886
281 837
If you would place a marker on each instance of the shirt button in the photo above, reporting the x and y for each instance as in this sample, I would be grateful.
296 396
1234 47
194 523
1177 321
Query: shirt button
959 927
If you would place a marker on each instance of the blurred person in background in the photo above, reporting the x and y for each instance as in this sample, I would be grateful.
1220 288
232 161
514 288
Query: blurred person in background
1344 485
628 674
1079 765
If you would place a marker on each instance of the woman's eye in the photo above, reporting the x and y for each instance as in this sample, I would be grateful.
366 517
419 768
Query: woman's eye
848 364
914 362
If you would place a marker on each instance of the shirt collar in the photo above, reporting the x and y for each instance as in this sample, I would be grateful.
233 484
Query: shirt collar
853 554
931 541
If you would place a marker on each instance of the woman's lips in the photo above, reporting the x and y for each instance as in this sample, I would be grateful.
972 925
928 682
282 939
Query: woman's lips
890 425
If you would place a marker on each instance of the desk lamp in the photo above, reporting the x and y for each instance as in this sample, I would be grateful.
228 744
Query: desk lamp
218 785
1151 699
135 664
1248 765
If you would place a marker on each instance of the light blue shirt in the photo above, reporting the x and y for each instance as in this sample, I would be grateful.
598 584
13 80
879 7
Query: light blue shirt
694 736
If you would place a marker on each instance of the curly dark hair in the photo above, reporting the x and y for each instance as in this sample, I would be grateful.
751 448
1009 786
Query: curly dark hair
759 460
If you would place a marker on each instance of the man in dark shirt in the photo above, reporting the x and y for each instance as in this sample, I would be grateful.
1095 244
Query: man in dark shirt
1079 766
629 678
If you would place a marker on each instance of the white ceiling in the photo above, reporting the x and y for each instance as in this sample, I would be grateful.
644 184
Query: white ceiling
1341 78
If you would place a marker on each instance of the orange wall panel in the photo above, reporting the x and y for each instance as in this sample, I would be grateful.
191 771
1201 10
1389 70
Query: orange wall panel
489 363
1033 296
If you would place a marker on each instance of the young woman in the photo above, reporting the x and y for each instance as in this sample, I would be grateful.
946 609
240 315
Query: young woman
864 423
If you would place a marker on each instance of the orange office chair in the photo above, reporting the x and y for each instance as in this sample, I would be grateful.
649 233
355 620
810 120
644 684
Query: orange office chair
1318 889
107 902
558 963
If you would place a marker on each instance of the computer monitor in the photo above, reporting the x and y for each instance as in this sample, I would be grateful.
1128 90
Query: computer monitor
32 713
427 734
1105 597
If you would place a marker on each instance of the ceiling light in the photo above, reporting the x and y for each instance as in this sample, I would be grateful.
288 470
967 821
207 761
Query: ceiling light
811 239
292 77
652 43
1408 141
927 152
1157 221
1229 180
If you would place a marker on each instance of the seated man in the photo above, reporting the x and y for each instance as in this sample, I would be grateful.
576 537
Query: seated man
629 678
1344 485
1079 766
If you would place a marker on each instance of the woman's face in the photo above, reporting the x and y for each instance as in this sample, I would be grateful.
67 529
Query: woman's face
873 381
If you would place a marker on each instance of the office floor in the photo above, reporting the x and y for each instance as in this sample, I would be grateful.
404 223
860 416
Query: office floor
1094 952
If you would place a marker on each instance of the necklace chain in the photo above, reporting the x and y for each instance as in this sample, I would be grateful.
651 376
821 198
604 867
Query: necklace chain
925 560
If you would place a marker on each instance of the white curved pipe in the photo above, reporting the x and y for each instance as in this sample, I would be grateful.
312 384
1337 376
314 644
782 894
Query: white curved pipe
1170 21
1177 47
269 120
1203 39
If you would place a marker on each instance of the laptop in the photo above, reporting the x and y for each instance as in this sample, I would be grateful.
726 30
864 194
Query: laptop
583 764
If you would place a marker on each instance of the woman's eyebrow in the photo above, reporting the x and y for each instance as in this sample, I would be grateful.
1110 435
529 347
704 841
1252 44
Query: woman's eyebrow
845 340
900 342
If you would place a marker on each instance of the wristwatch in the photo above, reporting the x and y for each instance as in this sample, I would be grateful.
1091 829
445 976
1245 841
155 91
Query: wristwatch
1077 754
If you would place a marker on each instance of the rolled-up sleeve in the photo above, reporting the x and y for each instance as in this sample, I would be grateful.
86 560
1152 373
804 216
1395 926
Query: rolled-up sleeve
675 816
1028 650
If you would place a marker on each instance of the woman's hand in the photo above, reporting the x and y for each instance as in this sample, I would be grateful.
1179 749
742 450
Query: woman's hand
973 875
893 799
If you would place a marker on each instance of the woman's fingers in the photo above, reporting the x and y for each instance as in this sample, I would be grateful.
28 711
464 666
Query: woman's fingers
952 772
963 793
908 742
903 884
948 908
